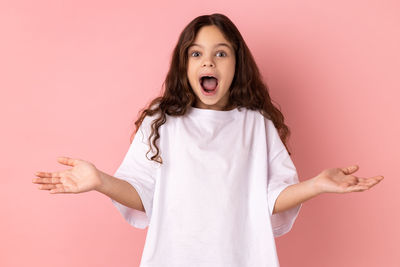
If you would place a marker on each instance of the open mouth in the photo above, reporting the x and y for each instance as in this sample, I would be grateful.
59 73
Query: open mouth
208 83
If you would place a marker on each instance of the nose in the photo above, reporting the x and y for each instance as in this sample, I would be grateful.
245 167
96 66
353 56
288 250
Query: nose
208 62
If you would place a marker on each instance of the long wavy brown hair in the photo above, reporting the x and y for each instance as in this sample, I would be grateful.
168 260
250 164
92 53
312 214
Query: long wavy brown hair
247 89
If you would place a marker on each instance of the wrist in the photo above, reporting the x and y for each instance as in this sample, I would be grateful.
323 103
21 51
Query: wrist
103 181
315 184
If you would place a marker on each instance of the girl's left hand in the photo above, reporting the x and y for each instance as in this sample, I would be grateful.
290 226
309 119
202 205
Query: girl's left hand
341 180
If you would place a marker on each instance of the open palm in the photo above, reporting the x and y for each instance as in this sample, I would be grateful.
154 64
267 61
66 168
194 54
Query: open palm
341 180
82 177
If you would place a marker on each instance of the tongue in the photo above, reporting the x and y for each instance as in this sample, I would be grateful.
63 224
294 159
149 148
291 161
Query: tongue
210 83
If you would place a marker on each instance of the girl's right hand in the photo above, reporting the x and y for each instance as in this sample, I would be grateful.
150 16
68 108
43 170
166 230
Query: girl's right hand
82 177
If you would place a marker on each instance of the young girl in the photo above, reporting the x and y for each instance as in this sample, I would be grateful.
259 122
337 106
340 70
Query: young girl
220 184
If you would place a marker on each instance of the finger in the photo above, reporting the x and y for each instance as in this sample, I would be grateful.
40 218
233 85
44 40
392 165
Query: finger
352 180
67 161
365 181
46 186
378 178
356 188
48 174
60 189
372 180
350 169
367 184
46 180
364 184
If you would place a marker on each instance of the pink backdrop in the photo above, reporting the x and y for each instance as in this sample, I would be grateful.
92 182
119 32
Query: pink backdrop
74 74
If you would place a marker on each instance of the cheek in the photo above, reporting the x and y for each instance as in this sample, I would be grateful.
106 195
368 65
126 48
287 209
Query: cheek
232 70
191 78
229 65
190 72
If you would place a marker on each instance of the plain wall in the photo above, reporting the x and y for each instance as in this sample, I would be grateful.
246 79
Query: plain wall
74 75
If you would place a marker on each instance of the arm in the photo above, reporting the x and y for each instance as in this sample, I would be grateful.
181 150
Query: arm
119 190
295 194
83 177
335 180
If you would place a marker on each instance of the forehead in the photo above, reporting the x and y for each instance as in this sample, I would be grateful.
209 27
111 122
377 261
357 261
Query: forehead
214 46
210 36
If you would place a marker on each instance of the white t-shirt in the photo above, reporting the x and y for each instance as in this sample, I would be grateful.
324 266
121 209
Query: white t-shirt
210 203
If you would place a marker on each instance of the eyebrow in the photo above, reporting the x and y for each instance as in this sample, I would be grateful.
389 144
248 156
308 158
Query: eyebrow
219 44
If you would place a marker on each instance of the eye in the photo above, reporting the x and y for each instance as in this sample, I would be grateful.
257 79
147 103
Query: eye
194 53
222 52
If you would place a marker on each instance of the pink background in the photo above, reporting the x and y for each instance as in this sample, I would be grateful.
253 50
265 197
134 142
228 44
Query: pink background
74 74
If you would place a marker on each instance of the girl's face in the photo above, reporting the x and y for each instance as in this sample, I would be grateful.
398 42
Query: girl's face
212 55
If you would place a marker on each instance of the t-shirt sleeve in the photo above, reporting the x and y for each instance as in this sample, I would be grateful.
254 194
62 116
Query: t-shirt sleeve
281 174
138 171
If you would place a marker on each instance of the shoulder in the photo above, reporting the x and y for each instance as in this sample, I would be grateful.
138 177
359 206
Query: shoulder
148 120
145 127
258 116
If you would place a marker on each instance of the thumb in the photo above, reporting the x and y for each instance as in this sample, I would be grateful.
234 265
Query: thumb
350 169
67 161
